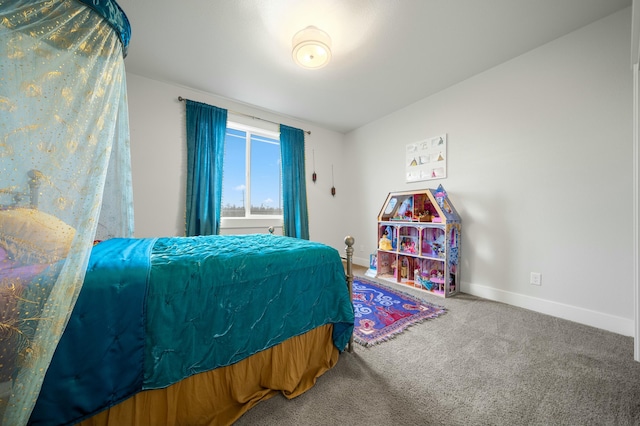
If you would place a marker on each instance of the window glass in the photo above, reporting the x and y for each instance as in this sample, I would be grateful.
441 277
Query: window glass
234 174
251 182
266 192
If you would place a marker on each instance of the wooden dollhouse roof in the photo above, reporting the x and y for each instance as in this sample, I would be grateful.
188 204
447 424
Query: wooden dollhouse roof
397 203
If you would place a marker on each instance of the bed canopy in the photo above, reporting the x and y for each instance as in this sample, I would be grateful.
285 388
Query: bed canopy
65 176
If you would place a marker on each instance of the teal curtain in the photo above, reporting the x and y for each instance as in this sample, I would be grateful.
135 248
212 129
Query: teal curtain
294 186
206 128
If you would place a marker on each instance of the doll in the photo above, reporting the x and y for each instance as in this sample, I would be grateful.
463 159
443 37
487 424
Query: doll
385 242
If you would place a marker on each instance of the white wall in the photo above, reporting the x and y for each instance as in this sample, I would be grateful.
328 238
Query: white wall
635 60
158 150
539 168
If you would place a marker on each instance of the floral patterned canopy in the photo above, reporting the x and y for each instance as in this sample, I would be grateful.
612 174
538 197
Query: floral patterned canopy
65 177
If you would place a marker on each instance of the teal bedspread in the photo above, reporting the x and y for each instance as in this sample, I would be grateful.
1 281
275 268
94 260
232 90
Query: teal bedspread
218 299
154 311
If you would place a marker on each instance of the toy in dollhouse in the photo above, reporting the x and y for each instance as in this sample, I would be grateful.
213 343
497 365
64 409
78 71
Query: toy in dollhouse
422 280
432 280
394 238
438 245
385 242
373 265
383 265
414 280
424 216
408 245
404 268
437 278
373 261
405 210
437 248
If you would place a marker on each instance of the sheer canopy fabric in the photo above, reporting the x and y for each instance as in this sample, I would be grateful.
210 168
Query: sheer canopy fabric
63 122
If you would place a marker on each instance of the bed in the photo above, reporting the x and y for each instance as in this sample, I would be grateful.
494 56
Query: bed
182 330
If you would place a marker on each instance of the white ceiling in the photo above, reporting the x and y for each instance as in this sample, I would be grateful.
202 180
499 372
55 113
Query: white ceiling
387 54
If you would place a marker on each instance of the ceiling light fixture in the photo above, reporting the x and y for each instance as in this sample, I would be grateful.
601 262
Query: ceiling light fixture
311 48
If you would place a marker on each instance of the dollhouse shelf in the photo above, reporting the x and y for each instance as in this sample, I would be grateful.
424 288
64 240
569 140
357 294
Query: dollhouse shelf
419 241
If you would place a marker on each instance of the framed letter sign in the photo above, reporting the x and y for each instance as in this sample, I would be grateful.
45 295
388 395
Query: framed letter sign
427 159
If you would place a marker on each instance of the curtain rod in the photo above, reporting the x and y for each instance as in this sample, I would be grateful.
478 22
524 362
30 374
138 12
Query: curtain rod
180 98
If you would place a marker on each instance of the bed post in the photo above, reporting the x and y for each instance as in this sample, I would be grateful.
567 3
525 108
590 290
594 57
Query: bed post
34 187
349 241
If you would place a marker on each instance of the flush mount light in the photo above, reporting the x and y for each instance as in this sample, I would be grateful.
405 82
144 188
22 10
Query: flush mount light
311 48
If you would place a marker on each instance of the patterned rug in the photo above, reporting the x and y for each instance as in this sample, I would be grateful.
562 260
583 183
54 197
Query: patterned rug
382 312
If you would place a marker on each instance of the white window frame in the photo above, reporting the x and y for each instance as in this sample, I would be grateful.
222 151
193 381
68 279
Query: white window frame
251 222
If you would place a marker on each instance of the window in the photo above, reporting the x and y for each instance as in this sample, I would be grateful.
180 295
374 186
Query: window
252 181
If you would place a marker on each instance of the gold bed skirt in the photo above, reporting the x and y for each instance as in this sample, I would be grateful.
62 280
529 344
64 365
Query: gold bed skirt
221 396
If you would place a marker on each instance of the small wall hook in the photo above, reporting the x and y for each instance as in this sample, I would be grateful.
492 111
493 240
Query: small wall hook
333 188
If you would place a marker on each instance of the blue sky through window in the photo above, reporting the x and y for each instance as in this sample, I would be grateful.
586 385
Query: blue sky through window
263 191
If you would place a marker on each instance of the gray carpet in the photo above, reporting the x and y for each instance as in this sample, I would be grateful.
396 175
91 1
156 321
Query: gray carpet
482 363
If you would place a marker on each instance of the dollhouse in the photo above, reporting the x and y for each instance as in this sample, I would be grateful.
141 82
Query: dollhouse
419 241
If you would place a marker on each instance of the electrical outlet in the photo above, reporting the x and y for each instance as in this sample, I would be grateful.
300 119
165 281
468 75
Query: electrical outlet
536 278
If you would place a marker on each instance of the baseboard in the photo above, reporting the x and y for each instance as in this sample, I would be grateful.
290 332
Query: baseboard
612 323
361 261
596 319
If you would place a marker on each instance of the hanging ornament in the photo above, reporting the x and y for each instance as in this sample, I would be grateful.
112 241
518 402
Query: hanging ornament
314 176
333 188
